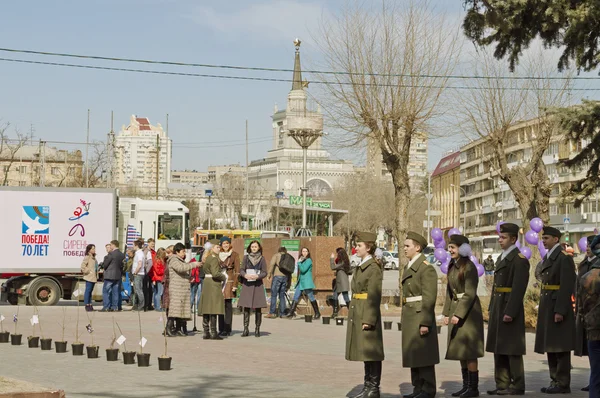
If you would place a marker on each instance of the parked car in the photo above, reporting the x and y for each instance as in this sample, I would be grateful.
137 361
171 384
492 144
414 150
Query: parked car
390 260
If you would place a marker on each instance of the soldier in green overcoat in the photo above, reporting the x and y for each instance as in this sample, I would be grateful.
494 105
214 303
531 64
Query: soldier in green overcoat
555 331
212 302
506 326
420 350
462 312
364 336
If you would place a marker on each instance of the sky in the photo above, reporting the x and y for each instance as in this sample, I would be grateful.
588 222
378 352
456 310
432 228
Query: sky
202 111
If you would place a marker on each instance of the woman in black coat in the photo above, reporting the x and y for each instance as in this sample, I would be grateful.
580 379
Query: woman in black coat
340 263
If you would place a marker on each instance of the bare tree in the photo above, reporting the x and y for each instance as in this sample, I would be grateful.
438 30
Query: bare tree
232 191
394 63
8 149
96 166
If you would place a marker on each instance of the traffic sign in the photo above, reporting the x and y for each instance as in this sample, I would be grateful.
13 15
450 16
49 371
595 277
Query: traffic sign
566 220
279 195
208 192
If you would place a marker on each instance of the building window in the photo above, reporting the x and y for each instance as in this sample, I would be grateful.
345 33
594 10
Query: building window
23 169
21 183
54 171
251 208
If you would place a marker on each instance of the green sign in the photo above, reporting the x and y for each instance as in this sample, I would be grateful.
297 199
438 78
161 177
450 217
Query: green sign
247 241
292 245
297 201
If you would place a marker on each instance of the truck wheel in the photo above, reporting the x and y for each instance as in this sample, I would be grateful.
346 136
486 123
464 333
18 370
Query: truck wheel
44 292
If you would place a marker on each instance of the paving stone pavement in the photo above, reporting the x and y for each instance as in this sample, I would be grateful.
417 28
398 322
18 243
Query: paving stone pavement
291 359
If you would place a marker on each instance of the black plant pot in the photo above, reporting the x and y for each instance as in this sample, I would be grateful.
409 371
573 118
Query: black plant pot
326 320
129 357
15 339
387 325
164 363
77 349
308 318
112 354
399 326
33 341
143 360
92 351
439 329
4 337
339 321
46 344
60 346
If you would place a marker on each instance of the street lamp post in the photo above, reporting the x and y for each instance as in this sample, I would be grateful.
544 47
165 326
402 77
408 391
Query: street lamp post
278 195
209 192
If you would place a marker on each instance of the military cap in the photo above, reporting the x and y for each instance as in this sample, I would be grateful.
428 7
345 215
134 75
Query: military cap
215 242
551 231
509 228
590 239
458 240
365 237
418 239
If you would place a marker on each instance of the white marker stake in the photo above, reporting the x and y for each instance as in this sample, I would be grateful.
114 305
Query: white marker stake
143 342
121 340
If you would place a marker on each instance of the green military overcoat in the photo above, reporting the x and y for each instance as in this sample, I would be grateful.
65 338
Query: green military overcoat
465 339
581 348
508 338
419 280
365 345
557 270
212 300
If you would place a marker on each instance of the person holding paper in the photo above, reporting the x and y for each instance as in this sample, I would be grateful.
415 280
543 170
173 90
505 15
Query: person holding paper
229 261
252 297
212 302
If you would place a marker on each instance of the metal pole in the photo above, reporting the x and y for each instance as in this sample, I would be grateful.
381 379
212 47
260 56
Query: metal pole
247 186
596 217
87 144
304 153
429 210
277 220
209 211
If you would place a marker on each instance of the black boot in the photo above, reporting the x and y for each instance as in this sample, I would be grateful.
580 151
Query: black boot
367 381
179 327
206 327
375 380
315 306
246 332
473 385
184 328
257 322
465 378
169 327
336 309
213 328
292 312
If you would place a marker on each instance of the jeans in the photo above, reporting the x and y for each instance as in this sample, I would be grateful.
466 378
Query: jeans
195 291
157 292
308 292
89 288
344 295
278 288
594 357
138 283
110 294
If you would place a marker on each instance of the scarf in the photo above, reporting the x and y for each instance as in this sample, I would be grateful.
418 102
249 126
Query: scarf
225 255
254 258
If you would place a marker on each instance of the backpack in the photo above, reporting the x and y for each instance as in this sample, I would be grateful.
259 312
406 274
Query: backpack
287 264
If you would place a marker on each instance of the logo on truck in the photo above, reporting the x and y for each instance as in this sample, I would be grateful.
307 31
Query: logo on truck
35 230
75 247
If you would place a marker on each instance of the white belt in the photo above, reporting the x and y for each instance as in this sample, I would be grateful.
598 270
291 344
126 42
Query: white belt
414 299
208 276
459 295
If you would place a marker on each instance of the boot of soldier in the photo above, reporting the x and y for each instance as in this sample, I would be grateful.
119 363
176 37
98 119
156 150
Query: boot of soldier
246 332
473 387
375 380
315 306
465 378
257 322
213 328
336 309
206 326
169 328
367 382
292 312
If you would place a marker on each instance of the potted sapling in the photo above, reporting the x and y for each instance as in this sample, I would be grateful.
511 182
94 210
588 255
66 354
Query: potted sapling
308 318
61 346
77 346
387 324
15 339
92 350
4 334
44 342
164 361
112 353
143 359
128 356
33 341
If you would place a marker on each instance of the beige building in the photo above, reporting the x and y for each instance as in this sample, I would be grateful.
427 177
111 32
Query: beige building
215 173
39 165
417 163
445 188
189 177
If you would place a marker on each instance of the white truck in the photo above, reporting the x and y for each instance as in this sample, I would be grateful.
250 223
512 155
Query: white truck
42 262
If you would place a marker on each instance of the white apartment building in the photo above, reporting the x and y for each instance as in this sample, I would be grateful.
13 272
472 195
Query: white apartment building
215 173
138 148
189 177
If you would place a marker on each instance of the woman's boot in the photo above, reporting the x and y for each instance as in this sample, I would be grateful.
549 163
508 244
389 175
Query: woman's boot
315 306
465 379
257 322
213 328
206 326
246 332
473 387
336 309
169 328
184 328
292 312
179 327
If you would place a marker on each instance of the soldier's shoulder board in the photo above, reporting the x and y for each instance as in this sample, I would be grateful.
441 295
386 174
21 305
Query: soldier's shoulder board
426 263
521 255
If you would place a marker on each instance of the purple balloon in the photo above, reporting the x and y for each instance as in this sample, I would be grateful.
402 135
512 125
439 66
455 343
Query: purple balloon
531 237
453 231
526 252
536 224
542 249
440 254
440 244
444 268
437 234
473 259
518 244
583 244
498 226
480 269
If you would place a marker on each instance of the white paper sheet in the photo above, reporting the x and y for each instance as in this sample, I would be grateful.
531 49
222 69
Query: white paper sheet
121 340
143 342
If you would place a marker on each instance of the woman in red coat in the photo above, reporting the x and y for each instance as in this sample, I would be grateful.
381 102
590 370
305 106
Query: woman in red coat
158 273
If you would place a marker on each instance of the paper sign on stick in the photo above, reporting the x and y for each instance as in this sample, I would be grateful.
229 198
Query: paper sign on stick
76 293
35 320
143 342
2 318
121 340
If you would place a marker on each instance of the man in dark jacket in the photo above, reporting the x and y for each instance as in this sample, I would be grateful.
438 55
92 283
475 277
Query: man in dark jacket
113 263
506 328
555 332
581 344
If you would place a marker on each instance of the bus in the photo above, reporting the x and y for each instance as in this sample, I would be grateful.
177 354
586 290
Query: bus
201 236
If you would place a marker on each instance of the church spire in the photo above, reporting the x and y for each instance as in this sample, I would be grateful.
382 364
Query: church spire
297 80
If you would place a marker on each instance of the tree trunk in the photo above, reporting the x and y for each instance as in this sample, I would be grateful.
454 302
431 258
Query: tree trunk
401 203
